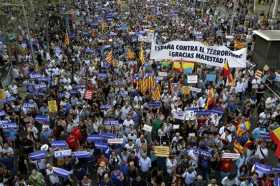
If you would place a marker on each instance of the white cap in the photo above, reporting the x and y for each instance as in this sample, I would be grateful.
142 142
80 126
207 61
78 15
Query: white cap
44 147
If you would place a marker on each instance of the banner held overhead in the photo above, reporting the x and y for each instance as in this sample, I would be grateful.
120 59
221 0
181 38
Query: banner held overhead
199 53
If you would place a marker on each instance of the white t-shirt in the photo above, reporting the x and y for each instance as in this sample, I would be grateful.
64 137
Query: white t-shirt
170 165
124 112
130 147
239 87
145 164
201 102
128 123
53 178
261 155
8 150
189 177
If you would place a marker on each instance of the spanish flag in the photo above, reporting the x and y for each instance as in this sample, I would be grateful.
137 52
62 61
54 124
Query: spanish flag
226 70
130 54
275 137
227 74
142 55
66 39
156 93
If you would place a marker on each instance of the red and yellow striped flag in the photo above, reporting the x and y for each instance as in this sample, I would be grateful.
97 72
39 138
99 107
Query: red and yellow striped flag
66 39
145 86
156 93
258 74
142 86
238 148
151 83
110 58
130 54
238 44
142 55
210 98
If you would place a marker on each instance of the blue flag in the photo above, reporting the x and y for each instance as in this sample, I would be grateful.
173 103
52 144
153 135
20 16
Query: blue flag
38 155
59 144
42 119
81 154
61 172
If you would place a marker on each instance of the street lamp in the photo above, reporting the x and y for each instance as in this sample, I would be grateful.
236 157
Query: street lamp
275 9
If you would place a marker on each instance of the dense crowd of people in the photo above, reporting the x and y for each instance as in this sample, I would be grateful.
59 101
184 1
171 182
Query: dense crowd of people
75 112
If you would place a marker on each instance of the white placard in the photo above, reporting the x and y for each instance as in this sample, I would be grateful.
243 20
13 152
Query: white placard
191 134
62 153
230 155
194 89
162 74
192 79
189 115
115 141
176 127
179 115
147 128
148 38
198 52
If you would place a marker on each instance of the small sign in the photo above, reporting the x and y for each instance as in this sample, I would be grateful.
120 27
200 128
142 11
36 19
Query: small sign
62 153
202 152
175 127
154 104
230 155
180 115
111 122
162 74
194 89
192 79
115 141
52 106
161 151
2 94
8 125
147 128
191 134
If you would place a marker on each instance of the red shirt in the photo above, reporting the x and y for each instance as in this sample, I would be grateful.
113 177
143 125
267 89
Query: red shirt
226 165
